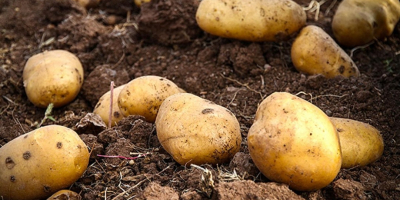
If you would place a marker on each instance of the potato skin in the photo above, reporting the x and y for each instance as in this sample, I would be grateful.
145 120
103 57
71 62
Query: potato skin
41 162
65 195
195 130
292 141
361 143
144 95
315 52
102 107
358 22
52 77
257 21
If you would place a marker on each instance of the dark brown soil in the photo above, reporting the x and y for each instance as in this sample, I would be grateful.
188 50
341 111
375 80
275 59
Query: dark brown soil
117 41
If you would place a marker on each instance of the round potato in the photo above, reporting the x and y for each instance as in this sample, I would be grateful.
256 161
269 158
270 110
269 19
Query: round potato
41 162
358 22
144 95
65 195
315 52
52 77
361 143
195 130
139 3
102 107
263 20
292 141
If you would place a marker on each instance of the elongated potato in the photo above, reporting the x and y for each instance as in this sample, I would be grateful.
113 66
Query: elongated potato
262 20
358 22
102 107
292 141
144 95
361 143
41 162
195 130
315 52
52 77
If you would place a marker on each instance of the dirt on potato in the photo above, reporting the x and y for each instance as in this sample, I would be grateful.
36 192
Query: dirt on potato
118 42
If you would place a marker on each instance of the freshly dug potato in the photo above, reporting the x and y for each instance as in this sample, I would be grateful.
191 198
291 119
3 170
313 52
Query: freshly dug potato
102 107
88 3
263 20
195 130
358 22
52 77
292 141
65 195
139 3
361 143
41 162
144 95
315 52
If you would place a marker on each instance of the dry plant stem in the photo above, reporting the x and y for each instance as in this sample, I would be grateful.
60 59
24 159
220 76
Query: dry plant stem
111 103
360 47
123 157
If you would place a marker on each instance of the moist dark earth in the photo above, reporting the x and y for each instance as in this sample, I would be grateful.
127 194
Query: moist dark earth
118 41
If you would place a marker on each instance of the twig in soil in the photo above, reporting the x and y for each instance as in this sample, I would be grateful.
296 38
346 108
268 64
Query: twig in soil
314 6
244 85
330 7
111 103
207 182
123 157
47 115
360 47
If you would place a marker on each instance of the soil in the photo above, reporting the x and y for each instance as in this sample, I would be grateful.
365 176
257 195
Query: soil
117 41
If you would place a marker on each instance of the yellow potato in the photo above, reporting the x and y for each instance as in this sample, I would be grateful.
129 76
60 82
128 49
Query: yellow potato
358 22
102 107
52 77
315 52
41 162
262 20
292 141
195 130
139 3
361 143
144 95
88 3
65 195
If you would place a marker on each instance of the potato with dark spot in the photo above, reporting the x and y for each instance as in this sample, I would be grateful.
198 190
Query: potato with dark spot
358 22
361 143
144 95
41 162
52 77
195 130
294 142
102 107
315 52
257 21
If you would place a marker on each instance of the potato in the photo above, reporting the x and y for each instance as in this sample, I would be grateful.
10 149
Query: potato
52 77
144 95
361 143
315 52
195 130
88 3
358 22
263 20
139 3
65 195
41 162
292 141
102 107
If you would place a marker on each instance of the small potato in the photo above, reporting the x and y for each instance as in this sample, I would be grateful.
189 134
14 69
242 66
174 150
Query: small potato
195 130
139 3
257 21
315 52
41 162
102 107
144 95
65 195
361 143
88 3
52 77
358 22
292 141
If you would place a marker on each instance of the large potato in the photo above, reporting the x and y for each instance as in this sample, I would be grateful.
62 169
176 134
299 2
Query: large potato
52 77
292 141
41 162
315 52
144 95
262 20
361 143
195 130
102 107
358 22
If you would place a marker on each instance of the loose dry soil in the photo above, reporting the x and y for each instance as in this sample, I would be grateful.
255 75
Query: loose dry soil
117 41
